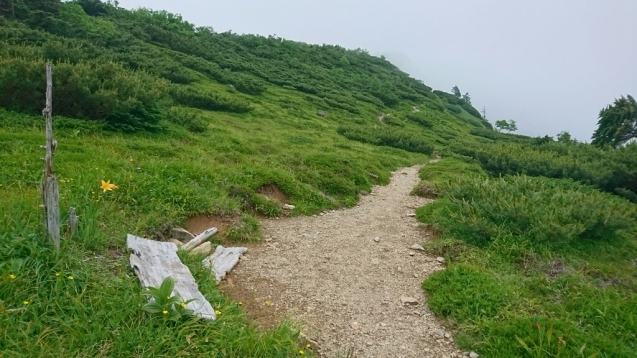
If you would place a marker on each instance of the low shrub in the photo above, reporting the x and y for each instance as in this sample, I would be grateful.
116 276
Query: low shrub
425 189
191 121
391 137
198 98
540 210
465 293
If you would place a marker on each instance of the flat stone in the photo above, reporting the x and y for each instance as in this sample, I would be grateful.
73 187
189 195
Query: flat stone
370 343
176 242
440 259
406 300
288 207
306 236
473 355
181 234
417 247
202 249
411 215
439 333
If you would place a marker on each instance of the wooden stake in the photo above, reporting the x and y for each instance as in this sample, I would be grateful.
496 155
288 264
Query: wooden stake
73 221
50 192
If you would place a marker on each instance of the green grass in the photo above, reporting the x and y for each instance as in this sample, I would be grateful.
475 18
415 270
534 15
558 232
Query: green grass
515 294
162 180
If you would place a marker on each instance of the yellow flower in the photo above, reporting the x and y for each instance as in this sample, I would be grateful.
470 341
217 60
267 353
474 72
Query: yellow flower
217 313
267 302
25 302
69 277
131 159
106 186
240 303
57 274
308 346
301 352
12 276
164 311
183 305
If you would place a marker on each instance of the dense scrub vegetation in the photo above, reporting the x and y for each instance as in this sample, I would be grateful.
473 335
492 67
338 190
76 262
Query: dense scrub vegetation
611 170
538 267
85 38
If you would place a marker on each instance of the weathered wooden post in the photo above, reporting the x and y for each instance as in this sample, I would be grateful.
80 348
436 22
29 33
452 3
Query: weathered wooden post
50 192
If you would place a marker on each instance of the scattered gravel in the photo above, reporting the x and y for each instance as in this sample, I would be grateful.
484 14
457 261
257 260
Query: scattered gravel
347 291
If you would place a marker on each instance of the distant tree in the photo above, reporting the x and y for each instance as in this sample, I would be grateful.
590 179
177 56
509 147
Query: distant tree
467 98
456 91
344 61
617 123
509 126
564 137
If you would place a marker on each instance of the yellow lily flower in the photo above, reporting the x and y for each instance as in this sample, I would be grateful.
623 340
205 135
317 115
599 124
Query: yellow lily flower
106 186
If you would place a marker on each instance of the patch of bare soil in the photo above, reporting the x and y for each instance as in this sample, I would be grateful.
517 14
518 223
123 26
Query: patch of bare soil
273 192
200 223
351 292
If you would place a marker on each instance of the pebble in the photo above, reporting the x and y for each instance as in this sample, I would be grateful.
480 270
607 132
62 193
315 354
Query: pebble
377 239
473 355
370 343
306 236
411 254
406 300
440 259
439 333
355 325
417 247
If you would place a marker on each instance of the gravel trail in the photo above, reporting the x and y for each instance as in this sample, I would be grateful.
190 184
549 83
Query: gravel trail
346 287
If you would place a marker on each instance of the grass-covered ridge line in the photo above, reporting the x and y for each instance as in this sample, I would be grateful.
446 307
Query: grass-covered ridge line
538 267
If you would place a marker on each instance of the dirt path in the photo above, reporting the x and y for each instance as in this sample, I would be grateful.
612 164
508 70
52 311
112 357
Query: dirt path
329 272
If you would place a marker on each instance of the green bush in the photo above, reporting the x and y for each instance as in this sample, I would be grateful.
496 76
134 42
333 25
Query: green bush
453 108
198 98
604 168
191 121
540 210
465 293
390 137
126 100
425 189
420 118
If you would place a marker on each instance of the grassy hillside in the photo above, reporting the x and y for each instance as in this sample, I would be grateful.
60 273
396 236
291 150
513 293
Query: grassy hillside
187 121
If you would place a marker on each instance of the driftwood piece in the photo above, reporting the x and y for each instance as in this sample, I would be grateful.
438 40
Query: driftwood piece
50 192
153 261
223 260
73 221
197 240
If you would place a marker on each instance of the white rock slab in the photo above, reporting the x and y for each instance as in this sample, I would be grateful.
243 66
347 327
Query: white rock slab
223 260
153 261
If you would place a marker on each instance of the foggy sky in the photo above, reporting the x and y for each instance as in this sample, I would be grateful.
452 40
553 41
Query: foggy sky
548 65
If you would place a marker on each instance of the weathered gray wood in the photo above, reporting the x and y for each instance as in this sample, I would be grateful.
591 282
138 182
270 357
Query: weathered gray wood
73 221
50 193
197 240
223 260
153 261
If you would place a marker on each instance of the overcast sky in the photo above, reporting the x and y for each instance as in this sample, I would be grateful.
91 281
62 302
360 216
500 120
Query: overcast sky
549 65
